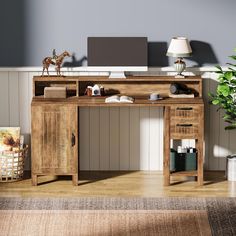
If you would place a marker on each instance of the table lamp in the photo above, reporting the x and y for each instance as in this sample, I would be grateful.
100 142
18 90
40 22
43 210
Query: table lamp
179 47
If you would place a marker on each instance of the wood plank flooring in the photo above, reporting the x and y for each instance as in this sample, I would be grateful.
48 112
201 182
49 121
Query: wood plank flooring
120 183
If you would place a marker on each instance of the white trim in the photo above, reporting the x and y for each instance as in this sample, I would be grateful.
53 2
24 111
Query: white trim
87 69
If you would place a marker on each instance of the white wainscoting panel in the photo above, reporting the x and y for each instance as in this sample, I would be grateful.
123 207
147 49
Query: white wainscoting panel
14 105
134 129
4 98
84 143
104 138
124 138
114 136
117 138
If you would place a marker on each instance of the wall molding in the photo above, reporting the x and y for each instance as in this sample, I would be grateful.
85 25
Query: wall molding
86 69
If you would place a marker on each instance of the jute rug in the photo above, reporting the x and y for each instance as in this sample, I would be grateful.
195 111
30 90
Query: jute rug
118 216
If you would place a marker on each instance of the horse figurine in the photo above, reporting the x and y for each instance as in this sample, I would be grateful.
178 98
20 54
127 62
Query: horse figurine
55 60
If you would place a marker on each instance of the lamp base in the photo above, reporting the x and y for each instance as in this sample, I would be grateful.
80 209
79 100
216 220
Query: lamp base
179 67
180 76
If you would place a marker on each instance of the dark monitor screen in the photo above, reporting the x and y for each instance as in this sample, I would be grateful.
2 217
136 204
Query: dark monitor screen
117 51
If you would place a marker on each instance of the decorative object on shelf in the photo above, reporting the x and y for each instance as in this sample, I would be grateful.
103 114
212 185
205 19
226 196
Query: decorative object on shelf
95 90
54 56
178 88
119 99
55 92
9 138
179 47
54 60
155 97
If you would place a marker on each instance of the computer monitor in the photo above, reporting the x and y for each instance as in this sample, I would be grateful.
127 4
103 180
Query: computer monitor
117 55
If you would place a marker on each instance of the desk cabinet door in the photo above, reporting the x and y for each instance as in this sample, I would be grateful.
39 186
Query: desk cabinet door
54 139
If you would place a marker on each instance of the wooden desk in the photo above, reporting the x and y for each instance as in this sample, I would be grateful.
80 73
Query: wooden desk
55 122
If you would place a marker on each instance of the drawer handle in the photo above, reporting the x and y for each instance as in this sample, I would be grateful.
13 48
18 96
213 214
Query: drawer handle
72 139
184 125
184 108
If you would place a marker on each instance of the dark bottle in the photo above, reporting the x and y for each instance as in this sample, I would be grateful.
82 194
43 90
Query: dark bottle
177 88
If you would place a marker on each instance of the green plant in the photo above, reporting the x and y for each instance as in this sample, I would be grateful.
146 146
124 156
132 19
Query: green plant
225 95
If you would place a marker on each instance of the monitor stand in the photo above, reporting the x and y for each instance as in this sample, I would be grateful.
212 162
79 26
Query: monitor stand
117 75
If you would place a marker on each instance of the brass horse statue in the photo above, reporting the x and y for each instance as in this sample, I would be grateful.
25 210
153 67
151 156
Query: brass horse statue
56 60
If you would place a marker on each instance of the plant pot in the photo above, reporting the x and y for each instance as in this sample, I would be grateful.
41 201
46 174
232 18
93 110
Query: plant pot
231 167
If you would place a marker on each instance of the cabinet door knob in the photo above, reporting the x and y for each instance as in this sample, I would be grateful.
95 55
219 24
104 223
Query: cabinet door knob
72 139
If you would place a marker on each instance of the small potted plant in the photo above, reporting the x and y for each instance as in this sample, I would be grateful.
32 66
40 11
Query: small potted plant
225 98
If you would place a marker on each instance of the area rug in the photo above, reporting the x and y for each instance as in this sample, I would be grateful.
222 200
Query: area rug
118 216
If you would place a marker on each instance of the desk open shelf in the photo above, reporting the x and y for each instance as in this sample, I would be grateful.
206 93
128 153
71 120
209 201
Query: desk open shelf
100 101
133 85
55 121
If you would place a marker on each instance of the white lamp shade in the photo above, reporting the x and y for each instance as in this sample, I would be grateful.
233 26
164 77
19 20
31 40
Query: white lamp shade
179 47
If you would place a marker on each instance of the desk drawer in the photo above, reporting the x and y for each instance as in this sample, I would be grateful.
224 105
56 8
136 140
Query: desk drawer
184 130
185 113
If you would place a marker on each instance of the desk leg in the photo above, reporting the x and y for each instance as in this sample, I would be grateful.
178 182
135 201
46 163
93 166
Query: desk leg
166 159
34 180
75 179
200 148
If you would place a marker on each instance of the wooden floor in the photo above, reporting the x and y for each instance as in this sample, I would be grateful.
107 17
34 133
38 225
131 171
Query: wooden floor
132 184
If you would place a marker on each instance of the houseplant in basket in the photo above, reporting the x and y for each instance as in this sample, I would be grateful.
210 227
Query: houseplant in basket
225 98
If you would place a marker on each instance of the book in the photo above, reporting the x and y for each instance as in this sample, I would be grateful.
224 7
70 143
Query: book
9 138
119 99
55 92
181 95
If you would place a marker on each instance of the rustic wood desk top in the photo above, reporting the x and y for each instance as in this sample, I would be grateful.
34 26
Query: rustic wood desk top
100 101
106 78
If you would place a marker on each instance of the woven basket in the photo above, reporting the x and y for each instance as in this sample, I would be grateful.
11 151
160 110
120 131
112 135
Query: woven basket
12 165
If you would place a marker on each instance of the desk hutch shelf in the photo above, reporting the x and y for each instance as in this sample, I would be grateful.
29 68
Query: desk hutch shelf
55 122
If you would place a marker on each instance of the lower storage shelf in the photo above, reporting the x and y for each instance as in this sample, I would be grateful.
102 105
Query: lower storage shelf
182 161
184 173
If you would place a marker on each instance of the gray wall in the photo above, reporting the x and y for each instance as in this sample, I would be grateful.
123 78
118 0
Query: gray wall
30 29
